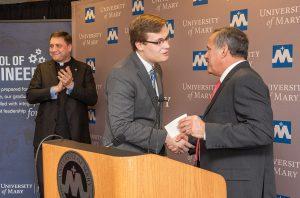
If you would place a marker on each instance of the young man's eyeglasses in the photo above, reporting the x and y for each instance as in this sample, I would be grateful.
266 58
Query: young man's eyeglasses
159 41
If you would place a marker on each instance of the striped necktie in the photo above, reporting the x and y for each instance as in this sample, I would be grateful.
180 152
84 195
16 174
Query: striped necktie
153 78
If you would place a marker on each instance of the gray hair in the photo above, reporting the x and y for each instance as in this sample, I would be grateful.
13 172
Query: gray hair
235 39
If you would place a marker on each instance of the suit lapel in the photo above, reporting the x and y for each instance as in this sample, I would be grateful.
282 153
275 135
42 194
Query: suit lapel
53 73
223 84
213 99
74 69
145 78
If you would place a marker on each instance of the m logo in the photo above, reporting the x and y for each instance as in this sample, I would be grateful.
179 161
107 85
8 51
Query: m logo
112 35
281 196
239 19
282 131
90 15
199 2
199 62
282 56
137 7
92 63
92 116
171 27
74 176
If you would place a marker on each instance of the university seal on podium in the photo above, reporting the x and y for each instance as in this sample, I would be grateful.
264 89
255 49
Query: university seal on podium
74 177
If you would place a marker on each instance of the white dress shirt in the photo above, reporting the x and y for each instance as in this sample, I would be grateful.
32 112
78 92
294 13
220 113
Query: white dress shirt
148 67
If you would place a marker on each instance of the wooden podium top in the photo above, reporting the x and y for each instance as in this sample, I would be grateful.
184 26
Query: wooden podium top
92 148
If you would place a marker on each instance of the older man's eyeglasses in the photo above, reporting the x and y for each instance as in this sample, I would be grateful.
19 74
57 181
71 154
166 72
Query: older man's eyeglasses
159 41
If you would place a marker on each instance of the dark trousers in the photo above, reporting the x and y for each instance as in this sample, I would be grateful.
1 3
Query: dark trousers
39 168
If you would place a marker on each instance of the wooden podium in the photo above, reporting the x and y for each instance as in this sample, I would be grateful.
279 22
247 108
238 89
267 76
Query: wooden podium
118 173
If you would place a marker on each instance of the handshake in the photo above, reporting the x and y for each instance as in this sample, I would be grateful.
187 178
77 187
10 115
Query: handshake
190 125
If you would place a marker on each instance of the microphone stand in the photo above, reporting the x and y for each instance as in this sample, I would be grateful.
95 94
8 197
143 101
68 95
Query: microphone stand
158 122
155 100
158 102
36 185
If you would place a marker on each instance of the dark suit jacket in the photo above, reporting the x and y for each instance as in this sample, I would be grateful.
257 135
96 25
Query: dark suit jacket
132 107
239 135
83 95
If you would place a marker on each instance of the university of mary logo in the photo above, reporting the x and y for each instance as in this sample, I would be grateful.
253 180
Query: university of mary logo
282 131
92 63
239 19
112 35
282 196
199 2
137 7
199 62
90 15
171 27
92 116
74 177
282 56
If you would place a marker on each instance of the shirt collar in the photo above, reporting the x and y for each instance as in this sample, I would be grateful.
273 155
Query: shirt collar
62 64
147 65
226 72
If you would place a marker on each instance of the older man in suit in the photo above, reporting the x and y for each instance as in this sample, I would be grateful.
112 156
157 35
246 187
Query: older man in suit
134 92
64 88
236 134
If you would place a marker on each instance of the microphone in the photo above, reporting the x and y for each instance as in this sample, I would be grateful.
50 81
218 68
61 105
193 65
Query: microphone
157 99
162 99
36 185
120 139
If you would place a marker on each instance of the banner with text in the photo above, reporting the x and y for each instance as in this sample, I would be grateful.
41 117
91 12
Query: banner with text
23 46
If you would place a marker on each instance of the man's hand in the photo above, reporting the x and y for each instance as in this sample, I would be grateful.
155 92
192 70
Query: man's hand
181 136
192 125
59 87
178 146
65 76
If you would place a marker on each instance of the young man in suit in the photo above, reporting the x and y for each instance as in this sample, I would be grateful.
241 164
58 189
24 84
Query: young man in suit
64 88
134 92
236 132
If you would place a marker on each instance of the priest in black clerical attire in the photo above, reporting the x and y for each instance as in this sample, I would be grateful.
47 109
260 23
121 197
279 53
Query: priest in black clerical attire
64 88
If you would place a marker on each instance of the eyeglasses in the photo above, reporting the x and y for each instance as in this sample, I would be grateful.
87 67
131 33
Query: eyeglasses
159 41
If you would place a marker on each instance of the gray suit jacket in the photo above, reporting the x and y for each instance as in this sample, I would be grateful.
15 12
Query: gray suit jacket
133 110
239 135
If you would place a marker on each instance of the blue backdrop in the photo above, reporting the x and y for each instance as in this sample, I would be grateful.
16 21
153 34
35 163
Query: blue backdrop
23 46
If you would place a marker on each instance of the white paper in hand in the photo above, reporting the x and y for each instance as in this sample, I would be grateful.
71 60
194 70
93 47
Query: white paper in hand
172 129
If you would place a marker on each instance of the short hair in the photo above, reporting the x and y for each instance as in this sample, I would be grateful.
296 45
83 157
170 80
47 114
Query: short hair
235 39
65 35
145 23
